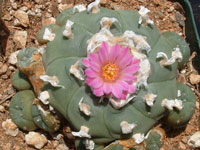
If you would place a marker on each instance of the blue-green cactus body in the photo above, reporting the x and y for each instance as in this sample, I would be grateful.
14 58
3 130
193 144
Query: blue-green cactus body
20 109
104 122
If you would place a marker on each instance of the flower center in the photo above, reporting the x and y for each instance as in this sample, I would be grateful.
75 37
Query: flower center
110 71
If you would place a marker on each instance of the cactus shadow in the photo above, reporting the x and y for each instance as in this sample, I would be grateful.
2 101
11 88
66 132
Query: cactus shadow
196 62
172 131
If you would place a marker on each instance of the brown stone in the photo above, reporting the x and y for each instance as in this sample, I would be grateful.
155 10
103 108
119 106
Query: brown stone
20 38
3 69
194 78
22 18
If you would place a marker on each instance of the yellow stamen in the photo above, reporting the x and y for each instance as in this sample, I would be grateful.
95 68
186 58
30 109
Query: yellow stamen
110 71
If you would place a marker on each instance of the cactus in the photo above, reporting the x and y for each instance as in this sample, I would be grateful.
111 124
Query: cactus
104 118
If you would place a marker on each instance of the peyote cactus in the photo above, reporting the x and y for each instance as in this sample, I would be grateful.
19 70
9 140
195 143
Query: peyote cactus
133 87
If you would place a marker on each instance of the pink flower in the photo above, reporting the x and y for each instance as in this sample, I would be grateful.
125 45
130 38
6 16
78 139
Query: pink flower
111 71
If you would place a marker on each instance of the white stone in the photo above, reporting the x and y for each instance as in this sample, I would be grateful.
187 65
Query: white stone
35 139
183 71
170 104
138 137
14 5
194 140
30 12
16 22
44 97
10 127
59 1
48 35
77 71
126 127
85 108
2 108
24 8
89 144
58 136
94 6
53 80
82 133
150 98
22 18
20 38
144 18
79 8
68 29
13 57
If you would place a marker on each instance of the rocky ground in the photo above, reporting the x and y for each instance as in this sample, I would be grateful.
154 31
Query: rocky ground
21 20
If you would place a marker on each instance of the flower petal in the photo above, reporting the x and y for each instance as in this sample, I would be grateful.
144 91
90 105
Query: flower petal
86 62
123 53
127 66
98 92
97 82
103 52
94 66
89 81
116 91
136 61
90 73
114 53
94 58
95 62
127 77
125 61
131 69
107 88
124 85
131 89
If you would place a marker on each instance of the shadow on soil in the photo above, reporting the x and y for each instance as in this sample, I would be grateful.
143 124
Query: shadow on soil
4 34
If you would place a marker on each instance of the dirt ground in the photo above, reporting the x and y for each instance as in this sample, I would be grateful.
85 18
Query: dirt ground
167 15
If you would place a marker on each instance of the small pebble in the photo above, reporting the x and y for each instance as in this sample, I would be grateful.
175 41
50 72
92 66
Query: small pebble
194 140
35 139
13 58
3 69
194 78
62 147
22 18
7 17
20 38
24 8
2 108
10 127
